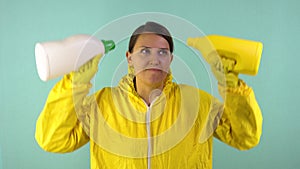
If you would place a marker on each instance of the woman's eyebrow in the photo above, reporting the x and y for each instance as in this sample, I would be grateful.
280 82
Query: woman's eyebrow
145 47
152 47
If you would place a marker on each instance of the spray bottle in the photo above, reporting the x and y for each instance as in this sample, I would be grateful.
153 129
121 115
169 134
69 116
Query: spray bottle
56 58
246 53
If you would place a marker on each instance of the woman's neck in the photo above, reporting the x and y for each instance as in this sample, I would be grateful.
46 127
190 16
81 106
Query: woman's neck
148 92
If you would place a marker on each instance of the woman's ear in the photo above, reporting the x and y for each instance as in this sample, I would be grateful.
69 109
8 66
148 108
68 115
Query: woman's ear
128 57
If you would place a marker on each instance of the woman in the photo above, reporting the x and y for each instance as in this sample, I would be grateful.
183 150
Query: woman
147 121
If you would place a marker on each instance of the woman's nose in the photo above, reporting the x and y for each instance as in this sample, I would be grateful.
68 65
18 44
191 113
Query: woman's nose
154 59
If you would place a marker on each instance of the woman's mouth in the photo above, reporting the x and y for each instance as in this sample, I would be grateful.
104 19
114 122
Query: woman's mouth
154 69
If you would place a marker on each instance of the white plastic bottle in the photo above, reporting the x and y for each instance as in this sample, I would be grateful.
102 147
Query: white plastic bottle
56 58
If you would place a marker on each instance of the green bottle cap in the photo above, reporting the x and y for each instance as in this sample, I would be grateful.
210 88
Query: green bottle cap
108 45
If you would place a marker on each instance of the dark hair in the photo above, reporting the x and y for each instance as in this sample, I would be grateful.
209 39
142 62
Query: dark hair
151 27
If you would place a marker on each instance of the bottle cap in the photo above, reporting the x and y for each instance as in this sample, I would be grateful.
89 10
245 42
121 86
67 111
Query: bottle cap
108 45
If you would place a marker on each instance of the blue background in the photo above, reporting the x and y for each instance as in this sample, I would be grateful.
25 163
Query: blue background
23 94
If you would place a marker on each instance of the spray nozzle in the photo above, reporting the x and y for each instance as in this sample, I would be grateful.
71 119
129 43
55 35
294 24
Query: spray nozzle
108 45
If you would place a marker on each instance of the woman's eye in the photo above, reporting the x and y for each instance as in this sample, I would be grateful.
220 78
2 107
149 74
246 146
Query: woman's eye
163 52
145 51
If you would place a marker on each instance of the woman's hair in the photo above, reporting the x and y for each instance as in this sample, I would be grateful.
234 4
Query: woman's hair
151 27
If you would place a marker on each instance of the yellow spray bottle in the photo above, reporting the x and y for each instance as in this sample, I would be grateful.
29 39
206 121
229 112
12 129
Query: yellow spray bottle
246 53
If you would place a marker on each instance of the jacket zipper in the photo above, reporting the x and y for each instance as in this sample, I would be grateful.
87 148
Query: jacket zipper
148 124
148 115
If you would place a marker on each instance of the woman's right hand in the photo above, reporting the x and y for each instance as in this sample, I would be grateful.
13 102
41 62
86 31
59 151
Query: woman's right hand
86 72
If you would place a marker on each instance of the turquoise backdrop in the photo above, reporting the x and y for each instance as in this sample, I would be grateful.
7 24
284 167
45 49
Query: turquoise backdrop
22 94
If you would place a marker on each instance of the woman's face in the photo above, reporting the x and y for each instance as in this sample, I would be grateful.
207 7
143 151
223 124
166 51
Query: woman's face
150 58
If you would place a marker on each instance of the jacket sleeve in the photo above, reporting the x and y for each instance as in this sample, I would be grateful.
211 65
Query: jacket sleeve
241 123
58 128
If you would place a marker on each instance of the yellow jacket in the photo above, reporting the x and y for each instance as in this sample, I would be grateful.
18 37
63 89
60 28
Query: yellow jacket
175 131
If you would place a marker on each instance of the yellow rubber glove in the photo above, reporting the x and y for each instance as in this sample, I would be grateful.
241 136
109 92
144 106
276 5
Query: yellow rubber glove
221 66
86 72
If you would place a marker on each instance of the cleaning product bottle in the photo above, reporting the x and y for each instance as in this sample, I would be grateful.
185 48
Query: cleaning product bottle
246 53
56 58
